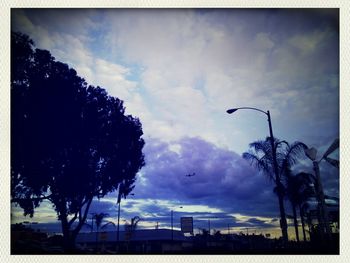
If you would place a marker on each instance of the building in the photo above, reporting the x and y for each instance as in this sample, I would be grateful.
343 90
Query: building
138 241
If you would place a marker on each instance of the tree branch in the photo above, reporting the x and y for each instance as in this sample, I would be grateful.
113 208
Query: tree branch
73 219
87 208
82 220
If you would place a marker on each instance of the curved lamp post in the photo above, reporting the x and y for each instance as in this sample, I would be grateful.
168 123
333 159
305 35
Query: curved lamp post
283 222
311 153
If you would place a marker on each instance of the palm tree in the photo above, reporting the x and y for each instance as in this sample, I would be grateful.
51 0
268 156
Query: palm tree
260 155
290 156
306 191
134 221
131 227
99 217
124 190
298 191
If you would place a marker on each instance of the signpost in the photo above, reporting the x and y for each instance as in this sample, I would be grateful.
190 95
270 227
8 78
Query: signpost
187 225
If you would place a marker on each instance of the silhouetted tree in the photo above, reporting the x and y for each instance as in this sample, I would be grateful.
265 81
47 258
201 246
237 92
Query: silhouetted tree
98 218
298 191
305 192
131 227
70 142
292 184
124 190
260 155
133 223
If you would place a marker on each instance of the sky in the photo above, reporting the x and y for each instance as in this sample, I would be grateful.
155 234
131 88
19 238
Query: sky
178 71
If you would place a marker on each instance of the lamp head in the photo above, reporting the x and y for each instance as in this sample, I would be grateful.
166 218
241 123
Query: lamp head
311 153
231 111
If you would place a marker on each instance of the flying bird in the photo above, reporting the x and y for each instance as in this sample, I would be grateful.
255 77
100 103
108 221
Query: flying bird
189 175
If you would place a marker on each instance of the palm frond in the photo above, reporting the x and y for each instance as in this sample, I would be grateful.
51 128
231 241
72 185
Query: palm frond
299 188
258 145
291 155
108 223
99 218
307 177
295 151
263 164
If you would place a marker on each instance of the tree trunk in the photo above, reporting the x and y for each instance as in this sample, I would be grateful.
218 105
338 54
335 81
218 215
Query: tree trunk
97 232
295 222
283 221
302 222
68 238
324 227
69 235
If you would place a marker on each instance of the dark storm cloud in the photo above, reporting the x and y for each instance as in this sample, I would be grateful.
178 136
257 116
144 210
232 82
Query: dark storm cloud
223 181
222 178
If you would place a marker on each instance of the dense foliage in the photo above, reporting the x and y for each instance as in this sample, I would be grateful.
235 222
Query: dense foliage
70 142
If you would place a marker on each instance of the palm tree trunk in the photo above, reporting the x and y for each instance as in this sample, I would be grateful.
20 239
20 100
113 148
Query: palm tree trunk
295 222
118 220
283 221
302 222
97 231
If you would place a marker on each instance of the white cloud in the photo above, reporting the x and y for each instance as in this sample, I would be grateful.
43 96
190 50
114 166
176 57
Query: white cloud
71 48
43 214
263 41
194 66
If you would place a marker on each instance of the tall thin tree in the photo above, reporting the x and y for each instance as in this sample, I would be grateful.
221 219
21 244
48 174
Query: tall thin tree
260 155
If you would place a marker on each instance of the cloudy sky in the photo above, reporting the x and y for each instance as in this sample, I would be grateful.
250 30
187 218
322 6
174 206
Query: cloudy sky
179 70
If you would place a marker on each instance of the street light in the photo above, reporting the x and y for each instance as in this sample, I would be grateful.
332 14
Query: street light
172 225
283 222
311 153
